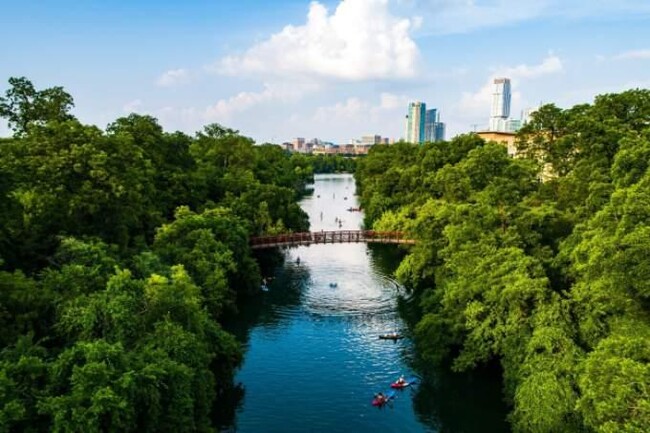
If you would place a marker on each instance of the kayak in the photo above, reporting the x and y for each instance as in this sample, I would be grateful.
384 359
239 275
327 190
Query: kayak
379 402
407 383
390 337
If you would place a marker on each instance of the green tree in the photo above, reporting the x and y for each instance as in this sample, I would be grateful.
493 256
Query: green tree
213 247
23 105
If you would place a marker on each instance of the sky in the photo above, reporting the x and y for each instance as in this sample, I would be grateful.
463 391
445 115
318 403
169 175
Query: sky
334 70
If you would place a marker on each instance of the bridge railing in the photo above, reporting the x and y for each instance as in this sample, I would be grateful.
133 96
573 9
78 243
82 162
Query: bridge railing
322 237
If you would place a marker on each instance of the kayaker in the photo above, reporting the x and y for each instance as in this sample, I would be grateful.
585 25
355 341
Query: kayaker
401 380
380 397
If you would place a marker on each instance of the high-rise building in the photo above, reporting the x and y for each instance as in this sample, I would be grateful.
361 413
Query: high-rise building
371 139
434 129
430 121
526 115
439 132
298 144
415 122
501 97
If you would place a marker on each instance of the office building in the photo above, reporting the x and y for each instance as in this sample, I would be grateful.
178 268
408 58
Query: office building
298 144
501 97
434 130
526 115
415 122
371 139
430 121
439 134
512 125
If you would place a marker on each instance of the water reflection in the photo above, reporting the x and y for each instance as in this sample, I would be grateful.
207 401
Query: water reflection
270 309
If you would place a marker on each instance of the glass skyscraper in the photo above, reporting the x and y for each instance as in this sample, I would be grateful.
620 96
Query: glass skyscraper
430 125
422 125
415 120
434 129
501 97
439 132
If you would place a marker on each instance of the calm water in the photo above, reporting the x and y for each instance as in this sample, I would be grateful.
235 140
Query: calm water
313 358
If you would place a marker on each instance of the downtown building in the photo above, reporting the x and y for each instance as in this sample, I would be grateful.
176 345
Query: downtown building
501 98
500 120
422 125
434 129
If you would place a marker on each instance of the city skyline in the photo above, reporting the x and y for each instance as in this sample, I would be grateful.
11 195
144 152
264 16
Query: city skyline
326 69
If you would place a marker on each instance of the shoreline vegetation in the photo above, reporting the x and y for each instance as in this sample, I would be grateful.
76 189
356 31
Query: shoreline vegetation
548 278
121 252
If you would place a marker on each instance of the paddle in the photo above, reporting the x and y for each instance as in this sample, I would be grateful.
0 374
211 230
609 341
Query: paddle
389 396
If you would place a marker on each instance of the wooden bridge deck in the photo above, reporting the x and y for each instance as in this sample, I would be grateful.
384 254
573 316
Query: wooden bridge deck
330 237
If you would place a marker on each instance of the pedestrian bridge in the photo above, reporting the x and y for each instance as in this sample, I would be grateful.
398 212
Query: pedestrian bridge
330 237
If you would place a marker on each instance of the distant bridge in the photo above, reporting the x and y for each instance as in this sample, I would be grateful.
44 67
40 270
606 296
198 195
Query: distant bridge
330 237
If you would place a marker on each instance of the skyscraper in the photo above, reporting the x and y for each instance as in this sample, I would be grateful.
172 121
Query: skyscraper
415 122
430 125
439 132
500 104
434 129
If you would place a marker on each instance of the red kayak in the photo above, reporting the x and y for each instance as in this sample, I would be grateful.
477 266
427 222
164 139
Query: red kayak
385 398
402 385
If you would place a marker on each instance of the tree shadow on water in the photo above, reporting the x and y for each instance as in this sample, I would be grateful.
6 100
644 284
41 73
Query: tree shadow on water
462 402
224 410
286 282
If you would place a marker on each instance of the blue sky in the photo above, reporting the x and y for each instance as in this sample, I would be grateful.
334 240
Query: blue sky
333 70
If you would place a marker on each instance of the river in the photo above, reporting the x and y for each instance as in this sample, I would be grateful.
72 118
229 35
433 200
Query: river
313 359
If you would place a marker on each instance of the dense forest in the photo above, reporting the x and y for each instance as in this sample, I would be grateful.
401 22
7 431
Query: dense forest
540 262
120 252
326 164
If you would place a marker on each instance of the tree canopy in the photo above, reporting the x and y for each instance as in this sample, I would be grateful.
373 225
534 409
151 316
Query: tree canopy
539 262
120 251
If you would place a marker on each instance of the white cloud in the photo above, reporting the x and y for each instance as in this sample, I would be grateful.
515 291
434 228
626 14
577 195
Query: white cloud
278 92
355 109
352 108
389 101
225 110
550 65
132 106
633 55
360 40
355 117
173 77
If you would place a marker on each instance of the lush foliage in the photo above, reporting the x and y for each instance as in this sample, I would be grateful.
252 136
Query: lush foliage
539 262
120 250
328 163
